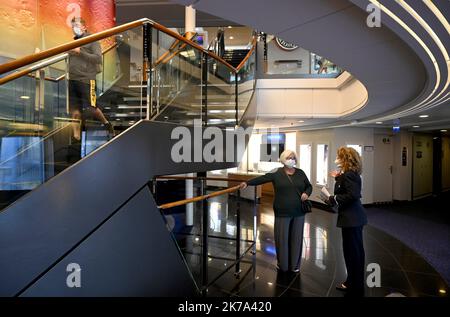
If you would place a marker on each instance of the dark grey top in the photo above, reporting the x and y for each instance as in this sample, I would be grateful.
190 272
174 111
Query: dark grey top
347 194
287 201
84 66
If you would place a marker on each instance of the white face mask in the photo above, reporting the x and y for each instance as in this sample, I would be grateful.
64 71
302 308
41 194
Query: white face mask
289 163
77 31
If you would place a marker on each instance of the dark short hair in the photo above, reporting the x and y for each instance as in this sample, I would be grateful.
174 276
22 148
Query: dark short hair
78 19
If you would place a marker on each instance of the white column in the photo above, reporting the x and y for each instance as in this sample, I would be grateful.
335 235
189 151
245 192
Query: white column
189 23
190 194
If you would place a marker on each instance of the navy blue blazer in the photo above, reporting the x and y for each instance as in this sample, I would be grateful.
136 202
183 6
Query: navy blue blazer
347 196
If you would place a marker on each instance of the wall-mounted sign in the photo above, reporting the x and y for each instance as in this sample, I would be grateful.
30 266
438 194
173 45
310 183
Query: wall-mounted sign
285 45
404 156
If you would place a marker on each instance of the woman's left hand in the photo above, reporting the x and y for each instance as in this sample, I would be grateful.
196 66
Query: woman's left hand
304 196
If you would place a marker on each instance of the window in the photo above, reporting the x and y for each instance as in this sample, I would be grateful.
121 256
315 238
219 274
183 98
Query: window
305 159
322 164
357 147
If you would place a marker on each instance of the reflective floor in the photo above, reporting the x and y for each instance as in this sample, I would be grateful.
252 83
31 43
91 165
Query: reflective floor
403 271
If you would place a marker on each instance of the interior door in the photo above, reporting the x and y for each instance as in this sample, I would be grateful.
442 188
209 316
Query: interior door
383 160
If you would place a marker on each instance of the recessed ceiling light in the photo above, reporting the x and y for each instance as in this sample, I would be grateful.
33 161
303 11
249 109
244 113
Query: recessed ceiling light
443 130
379 122
301 121
231 37
25 97
416 126
423 116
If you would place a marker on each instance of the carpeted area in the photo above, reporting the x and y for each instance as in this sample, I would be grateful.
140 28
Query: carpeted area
423 225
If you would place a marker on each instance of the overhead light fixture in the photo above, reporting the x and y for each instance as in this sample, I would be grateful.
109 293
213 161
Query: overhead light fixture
443 130
300 121
416 126
231 37
25 97
442 291
423 116
229 26
379 122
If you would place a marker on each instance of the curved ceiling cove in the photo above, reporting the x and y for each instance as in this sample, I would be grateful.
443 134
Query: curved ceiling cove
404 64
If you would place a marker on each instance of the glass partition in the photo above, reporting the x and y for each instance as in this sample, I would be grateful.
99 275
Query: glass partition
246 84
65 108
70 105
221 94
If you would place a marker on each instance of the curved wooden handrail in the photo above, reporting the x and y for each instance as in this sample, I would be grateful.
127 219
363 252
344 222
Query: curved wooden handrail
242 63
36 57
198 198
164 58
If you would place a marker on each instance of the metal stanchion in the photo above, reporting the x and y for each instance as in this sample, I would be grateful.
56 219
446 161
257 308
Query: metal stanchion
238 234
205 240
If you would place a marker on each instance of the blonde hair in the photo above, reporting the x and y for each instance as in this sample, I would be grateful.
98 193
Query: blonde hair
286 154
350 159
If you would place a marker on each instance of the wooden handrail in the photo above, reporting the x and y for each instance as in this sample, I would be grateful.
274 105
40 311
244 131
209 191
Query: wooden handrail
198 198
206 178
242 63
36 57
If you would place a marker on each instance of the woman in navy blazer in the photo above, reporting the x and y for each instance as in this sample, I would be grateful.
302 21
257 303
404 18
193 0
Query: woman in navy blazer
351 217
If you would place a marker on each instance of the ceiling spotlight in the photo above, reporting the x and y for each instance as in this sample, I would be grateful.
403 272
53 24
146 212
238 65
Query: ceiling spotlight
379 122
231 37
416 126
424 116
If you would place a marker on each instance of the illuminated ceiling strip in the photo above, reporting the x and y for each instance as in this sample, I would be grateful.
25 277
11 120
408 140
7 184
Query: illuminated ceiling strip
420 41
435 38
438 14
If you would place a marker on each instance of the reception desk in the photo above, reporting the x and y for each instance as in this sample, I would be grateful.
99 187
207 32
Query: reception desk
249 192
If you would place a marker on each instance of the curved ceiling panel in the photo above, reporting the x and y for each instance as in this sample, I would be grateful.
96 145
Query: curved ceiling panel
402 64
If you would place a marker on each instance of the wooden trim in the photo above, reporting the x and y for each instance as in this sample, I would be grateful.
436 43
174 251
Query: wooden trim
36 57
206 178
198 198
242 63
33 58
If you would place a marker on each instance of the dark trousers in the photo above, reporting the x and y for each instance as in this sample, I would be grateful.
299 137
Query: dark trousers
289 241
352 243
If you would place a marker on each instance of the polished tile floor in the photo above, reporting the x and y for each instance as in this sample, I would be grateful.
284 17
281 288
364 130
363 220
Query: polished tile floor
403 271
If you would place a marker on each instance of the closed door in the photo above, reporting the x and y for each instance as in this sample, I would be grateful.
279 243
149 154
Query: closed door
382 169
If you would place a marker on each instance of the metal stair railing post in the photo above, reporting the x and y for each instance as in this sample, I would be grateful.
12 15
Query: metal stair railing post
205 227
238 234
147 48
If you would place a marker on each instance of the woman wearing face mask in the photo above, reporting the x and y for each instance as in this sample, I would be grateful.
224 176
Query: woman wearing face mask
291 188
351 217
